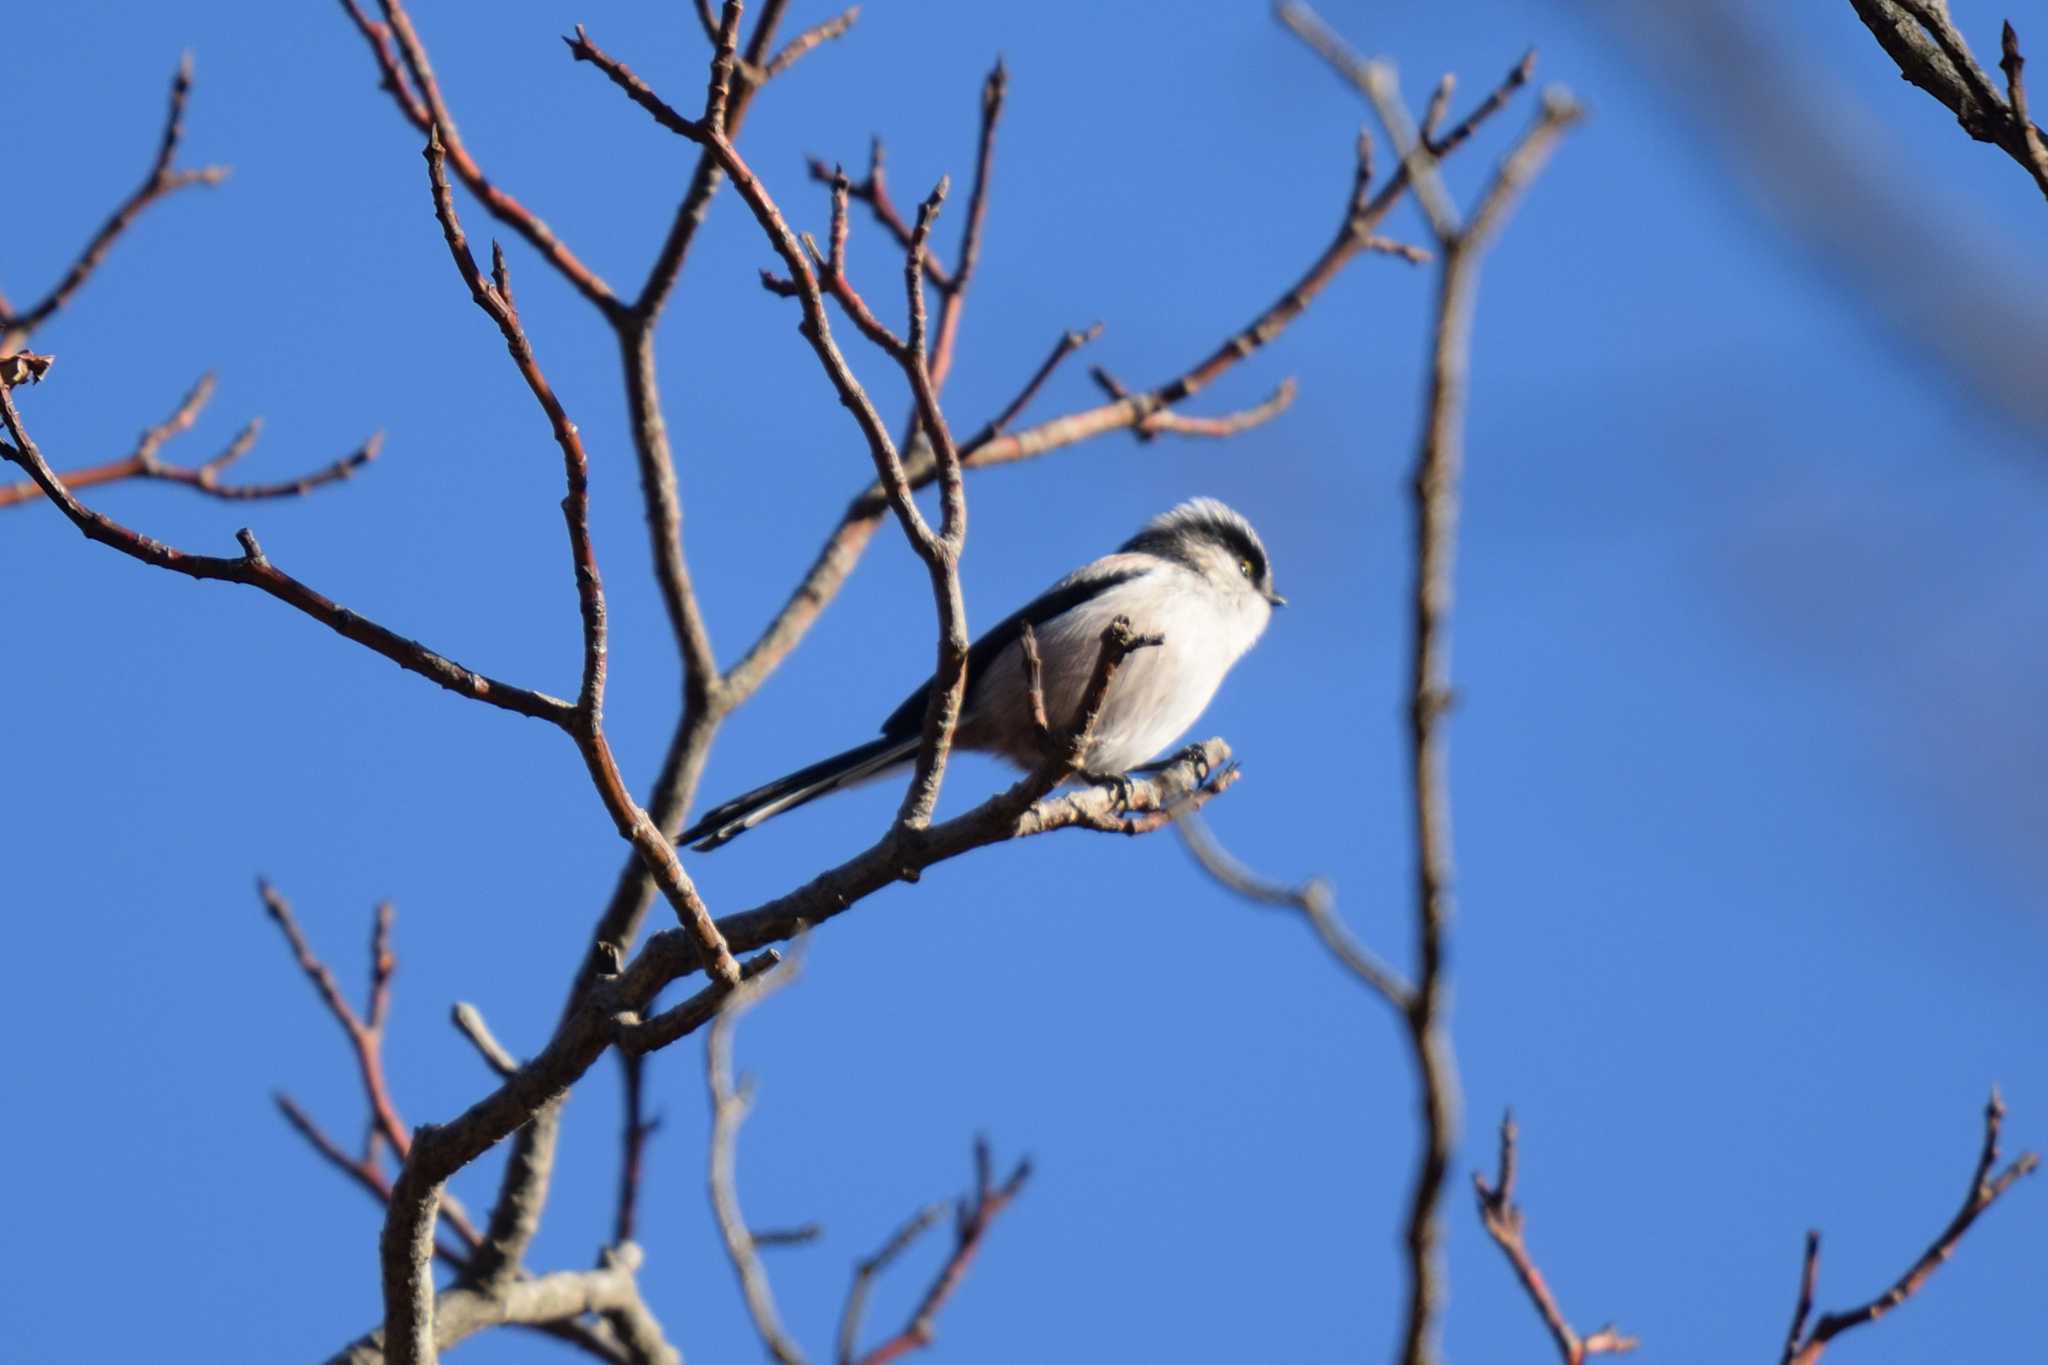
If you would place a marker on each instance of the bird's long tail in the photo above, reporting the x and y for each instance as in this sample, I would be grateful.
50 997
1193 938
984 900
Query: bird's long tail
727 822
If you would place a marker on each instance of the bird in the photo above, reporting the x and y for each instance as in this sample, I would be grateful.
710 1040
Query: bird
1196 576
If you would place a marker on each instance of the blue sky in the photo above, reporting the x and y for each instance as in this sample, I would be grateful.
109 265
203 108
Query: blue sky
1747 767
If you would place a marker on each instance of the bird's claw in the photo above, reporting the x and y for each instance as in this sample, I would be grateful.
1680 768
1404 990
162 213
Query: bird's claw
1126 790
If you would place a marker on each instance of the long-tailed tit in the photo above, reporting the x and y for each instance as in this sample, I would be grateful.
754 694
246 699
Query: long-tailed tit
1196 576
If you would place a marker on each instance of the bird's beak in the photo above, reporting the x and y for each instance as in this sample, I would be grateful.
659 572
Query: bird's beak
1276 599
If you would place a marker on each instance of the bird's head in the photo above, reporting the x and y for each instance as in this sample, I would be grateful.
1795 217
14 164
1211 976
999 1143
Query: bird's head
1215 542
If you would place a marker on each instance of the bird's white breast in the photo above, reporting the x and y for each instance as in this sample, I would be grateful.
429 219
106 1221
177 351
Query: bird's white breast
1158 692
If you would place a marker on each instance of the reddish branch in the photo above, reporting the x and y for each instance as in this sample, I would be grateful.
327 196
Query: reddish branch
939 550
162 180
365 1033
972 1217
409 76
608 1013
706 698
417 92
1502 1218
254 569
146 462
1987 1183
494 297
633 1146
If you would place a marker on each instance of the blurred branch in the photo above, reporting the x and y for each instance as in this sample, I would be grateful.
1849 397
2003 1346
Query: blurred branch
470 1022
730 1102
972 1217
866 1271
162 180
558 1303
144 462
1314 899
1984 1190
1831 185
1924 43
1502 1218
1439 465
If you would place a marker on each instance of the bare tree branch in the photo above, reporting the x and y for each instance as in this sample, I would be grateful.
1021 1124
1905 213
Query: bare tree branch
1439 464
162 180
1502 1218
587 726
145 462
365 1033
254 569
1930 51
557 1299
972 1217
1314 899
730 1102
470 1022
1984 1190
418 95
866 1271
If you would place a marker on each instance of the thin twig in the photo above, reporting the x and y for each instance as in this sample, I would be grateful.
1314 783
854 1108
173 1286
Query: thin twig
972 1217
1439 464
254 569
730 1101
635 1131
363 1170
470 1022
1502 1218
366 1040
1984 1190
365 1033
145 462
1930 51
866 1271
587 728
1314 899
162 180
2012 63
418 95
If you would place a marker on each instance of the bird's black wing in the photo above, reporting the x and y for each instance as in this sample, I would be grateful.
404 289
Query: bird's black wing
1063 596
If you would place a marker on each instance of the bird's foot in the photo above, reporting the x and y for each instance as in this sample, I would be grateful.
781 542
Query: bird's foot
1196 754
1121 783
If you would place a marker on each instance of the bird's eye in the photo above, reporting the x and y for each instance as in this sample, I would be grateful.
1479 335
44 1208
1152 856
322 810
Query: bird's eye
1244 566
